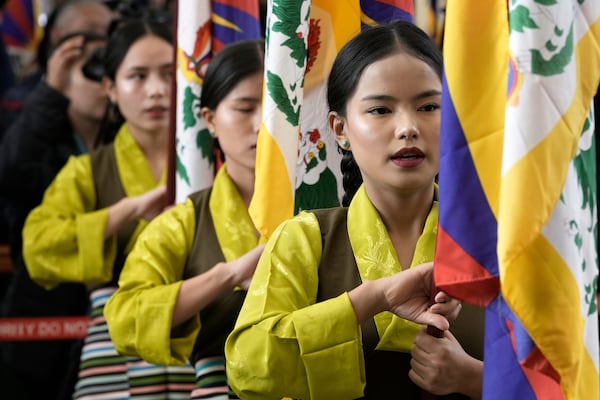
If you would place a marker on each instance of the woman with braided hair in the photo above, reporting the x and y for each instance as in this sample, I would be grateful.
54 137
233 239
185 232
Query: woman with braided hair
338 296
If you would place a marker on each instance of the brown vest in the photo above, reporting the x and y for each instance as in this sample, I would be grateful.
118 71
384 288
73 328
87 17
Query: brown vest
218 318
109 190
386 371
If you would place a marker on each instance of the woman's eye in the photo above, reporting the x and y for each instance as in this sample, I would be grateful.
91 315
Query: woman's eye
378 110
137 77
244 110
430 107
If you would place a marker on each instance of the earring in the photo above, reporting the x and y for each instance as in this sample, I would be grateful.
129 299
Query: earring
345 144
211 133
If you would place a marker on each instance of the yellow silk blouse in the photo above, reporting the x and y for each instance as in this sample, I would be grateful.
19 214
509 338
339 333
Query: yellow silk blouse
63 238
286 344
139 314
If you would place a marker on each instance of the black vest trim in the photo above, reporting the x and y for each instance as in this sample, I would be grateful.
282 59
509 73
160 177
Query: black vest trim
109 190
218 318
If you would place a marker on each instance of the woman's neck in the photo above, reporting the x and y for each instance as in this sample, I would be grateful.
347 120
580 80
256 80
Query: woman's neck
404 215
243 178
154 147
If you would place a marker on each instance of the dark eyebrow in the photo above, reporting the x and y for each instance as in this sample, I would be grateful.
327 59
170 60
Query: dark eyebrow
428 93
137 69
247 99
422 95
145 67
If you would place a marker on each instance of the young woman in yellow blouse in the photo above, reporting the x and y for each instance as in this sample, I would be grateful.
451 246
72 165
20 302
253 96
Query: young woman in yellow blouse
178 294
98 204
328 313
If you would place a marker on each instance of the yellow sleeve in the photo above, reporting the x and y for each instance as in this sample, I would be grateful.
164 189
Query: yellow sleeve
63 238
139 314
285 345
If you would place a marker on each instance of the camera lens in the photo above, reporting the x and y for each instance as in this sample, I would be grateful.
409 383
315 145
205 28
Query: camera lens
93 69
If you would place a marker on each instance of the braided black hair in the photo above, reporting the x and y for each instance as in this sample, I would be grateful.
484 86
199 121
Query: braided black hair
351 176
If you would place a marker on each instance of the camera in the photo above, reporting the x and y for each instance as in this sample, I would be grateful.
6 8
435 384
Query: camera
93 69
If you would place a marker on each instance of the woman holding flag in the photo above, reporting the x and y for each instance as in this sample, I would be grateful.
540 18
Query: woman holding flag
328 313
184 282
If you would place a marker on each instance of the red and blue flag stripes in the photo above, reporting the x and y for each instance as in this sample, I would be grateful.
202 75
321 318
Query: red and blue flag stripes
234 20
466 261
17 23
466 267
511 174
466 264
381 11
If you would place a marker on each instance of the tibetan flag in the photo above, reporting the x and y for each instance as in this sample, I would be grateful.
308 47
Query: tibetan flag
277 146
203 28
21 35
318 176
548 252
380 11
19 27
234 20
518 212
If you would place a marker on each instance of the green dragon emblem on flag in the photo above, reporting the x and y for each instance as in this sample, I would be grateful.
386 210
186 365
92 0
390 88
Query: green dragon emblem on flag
292 43
204 142
586 228
317 185
544 54
556 52
289 20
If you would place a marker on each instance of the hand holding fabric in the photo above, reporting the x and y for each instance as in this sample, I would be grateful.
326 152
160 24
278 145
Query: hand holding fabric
447 306
408 296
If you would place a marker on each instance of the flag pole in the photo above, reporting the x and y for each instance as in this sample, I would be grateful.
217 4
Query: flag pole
172 151
435 332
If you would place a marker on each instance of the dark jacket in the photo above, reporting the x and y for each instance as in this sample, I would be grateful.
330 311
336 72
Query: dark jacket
33 150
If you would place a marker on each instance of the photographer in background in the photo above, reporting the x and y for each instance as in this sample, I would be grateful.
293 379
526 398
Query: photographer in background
60 117
63 20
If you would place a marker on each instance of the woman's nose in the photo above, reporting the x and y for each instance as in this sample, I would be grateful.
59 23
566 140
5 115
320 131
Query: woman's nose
407 127
156 86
